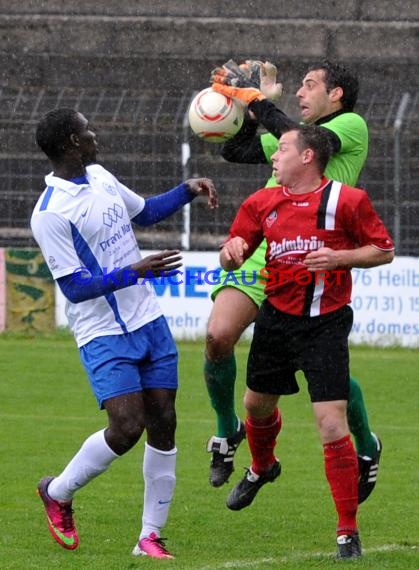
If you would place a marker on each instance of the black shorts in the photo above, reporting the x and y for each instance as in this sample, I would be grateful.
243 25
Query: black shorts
283 344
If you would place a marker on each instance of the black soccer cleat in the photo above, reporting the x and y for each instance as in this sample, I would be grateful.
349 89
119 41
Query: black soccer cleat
246 490
223 450
349 546
368 472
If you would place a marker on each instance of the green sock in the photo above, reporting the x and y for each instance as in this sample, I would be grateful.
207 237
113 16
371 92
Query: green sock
220 378
358 421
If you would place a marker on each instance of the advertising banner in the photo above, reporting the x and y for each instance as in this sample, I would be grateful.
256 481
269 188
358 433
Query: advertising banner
385 300
30 298
2 289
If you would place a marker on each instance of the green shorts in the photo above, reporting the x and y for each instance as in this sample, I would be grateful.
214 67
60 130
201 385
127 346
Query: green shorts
247 278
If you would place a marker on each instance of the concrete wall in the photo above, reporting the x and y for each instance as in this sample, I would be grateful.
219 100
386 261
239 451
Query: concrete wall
374 10
174 45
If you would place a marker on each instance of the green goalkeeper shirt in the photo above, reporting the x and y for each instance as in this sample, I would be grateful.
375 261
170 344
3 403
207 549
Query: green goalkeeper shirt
344 166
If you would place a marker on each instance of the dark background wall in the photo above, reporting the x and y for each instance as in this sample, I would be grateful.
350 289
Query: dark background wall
99 55
174 44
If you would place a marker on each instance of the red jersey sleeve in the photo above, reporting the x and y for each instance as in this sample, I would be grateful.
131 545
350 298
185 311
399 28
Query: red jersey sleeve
366 226
247 223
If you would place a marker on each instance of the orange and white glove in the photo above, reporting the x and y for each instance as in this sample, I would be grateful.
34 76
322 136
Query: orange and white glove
257 80
236 82
245 95
264 75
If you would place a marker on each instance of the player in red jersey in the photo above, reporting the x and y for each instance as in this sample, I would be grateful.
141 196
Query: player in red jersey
327 97
316 230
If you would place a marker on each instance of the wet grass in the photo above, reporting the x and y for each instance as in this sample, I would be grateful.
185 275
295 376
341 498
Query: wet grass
47 410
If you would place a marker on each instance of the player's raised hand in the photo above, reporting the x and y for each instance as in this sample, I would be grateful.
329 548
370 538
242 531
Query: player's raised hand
244 94
237 82
261 75
268 81
204 187
227 74
158 264
257 80
252 69
235 75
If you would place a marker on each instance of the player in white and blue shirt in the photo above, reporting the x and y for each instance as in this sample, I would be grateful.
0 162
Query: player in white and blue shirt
82 223
92 218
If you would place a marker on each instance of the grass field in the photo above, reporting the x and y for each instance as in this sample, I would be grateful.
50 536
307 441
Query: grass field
47 410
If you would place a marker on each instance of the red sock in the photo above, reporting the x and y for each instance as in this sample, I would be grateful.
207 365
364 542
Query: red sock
341 466
261 435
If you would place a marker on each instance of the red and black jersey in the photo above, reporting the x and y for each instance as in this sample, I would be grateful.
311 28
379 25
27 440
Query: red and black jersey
335 216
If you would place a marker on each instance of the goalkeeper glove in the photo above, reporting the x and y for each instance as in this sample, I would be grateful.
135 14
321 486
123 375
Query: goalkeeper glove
233 81
263 75
244 94
252 75
235 75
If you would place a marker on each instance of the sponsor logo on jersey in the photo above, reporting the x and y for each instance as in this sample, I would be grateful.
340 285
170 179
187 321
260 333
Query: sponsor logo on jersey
122 231
111 216
273 216
52 263
110 189
294 245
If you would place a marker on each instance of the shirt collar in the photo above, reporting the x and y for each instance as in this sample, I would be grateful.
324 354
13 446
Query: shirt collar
328 118
66 185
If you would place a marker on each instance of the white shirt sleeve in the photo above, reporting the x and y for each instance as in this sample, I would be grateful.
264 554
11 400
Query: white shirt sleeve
53 234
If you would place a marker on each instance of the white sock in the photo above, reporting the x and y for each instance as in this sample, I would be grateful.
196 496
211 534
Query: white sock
159 471
92 459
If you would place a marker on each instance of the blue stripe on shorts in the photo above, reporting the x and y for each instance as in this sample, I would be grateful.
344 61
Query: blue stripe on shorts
121 364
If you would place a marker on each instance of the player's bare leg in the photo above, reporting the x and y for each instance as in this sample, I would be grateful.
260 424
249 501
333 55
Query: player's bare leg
233 311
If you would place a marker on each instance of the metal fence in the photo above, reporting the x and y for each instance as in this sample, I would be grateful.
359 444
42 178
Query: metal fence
143 136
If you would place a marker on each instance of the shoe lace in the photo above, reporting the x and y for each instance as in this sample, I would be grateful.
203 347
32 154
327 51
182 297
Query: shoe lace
160 544
67 517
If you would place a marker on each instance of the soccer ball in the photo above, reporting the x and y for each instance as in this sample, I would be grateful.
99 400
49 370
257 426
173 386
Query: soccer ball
215 117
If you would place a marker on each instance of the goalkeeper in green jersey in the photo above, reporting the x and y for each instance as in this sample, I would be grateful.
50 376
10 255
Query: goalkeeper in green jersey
327 96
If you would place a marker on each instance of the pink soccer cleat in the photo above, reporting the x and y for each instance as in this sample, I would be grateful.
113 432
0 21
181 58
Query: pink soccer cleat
152 546
59 517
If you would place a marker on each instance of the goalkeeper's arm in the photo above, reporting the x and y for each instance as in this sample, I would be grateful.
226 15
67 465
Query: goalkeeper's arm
273 119
245 147
277 122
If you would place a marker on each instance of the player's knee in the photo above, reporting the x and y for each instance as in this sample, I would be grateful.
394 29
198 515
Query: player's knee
258 405
161 418
332 427
124 433
219 343
161 429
